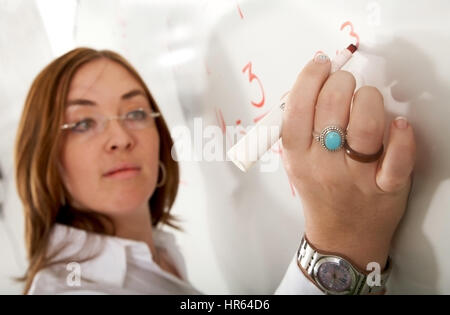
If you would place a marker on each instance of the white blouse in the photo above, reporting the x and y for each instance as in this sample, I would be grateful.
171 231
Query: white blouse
97 264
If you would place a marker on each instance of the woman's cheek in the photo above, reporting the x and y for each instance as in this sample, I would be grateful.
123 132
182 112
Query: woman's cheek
78 171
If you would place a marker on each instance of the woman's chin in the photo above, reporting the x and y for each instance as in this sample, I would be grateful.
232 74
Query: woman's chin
131 190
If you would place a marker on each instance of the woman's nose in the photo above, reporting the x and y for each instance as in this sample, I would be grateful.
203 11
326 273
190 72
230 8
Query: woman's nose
118 136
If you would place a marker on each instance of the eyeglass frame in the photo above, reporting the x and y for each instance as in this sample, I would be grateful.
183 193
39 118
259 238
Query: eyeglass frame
152 114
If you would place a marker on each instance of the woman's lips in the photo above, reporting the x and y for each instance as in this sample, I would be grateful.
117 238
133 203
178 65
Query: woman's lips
124 173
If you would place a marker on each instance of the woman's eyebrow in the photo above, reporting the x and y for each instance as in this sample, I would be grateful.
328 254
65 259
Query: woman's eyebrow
80 101
126 96
133 93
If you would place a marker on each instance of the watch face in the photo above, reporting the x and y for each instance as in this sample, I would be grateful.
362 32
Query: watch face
335 276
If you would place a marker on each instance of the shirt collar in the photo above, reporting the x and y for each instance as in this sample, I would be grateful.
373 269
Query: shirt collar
102 258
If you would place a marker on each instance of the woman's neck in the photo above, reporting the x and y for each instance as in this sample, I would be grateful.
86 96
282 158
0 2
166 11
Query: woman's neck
138 227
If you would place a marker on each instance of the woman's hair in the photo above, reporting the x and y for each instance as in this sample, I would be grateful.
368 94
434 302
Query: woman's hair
37 156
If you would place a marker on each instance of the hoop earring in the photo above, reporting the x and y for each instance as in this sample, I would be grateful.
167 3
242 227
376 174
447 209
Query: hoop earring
164 175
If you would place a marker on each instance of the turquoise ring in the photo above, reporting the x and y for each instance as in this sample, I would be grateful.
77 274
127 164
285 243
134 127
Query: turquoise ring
332 138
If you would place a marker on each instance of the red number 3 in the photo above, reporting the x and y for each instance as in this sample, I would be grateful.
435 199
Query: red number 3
352 33
251 77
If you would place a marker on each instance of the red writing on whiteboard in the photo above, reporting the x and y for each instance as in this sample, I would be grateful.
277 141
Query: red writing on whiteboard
251 78
242 131
239 10
352 31
258 118
221 120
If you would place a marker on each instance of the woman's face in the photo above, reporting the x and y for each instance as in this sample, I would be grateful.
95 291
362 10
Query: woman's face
103 88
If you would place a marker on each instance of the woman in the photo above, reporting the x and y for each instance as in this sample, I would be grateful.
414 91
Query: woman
97 180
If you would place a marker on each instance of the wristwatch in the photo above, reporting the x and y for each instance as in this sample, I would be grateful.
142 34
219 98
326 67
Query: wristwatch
335 275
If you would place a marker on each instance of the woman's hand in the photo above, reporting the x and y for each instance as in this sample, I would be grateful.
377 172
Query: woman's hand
351 208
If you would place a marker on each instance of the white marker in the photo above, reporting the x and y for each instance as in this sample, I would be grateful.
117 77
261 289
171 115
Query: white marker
266 132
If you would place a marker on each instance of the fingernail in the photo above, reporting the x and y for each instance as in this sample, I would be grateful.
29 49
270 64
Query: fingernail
401 122
320 57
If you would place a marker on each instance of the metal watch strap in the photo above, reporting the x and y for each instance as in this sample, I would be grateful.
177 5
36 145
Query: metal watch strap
307 257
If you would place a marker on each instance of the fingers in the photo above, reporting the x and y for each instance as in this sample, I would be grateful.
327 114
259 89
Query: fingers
365 129
333 104
398 162
298 117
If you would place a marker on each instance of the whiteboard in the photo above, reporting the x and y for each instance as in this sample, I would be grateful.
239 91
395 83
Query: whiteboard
24 50
255 220
198 58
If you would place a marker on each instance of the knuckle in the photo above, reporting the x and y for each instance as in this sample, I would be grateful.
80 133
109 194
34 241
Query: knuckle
368 127
371 126
331 99
309 73
343 75
370 92
294 108
392 183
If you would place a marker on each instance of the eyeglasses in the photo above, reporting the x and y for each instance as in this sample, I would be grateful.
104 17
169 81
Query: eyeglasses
96 123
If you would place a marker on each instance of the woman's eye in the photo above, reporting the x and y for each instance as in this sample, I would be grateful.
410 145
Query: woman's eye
84 125
137 115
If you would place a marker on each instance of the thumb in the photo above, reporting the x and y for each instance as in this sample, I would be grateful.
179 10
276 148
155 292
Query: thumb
398 162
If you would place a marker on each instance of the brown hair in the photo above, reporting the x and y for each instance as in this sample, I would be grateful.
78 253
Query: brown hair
37 154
